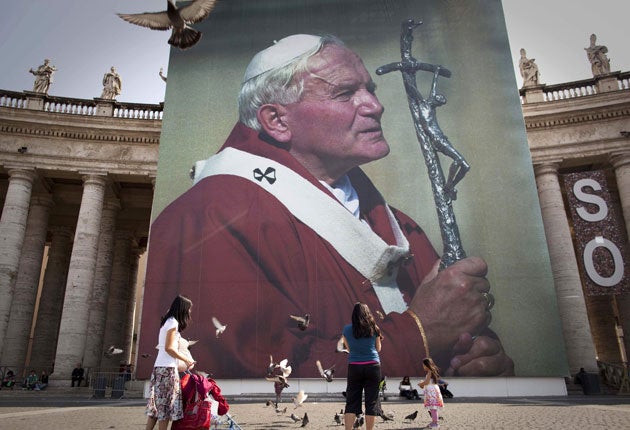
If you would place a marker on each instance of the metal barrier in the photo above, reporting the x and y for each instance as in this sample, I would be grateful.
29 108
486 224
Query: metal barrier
99 382
616 376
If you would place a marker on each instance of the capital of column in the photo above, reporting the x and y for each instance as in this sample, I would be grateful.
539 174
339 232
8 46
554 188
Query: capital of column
619 159
62 230
42 200
25 174
90 178
112 204
546 168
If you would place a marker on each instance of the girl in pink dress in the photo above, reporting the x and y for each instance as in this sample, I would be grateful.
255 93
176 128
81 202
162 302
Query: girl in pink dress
432 396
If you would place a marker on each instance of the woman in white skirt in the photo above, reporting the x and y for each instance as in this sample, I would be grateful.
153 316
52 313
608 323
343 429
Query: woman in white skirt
165 399
432 396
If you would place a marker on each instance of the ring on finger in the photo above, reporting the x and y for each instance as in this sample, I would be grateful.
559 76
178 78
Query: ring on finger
489 300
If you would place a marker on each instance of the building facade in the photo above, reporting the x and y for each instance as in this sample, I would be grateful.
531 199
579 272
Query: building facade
76 188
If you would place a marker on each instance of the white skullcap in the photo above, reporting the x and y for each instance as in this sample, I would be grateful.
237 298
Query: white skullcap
280 54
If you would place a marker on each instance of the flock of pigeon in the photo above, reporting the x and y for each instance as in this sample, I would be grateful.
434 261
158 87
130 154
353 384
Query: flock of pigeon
339 416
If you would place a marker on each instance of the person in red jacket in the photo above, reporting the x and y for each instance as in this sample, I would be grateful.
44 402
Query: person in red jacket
282 222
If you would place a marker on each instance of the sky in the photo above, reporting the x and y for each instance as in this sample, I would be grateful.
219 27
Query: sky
84 38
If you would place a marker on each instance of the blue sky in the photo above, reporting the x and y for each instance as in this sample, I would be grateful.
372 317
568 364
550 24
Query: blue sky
84 38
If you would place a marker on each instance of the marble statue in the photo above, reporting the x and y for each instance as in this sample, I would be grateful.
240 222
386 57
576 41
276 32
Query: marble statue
529 70
112 84
43 77
600 64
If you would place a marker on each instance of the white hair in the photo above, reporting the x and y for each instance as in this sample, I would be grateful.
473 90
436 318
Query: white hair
277 85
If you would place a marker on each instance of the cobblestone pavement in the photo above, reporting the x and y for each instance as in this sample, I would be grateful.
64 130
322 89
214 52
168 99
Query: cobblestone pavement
572 412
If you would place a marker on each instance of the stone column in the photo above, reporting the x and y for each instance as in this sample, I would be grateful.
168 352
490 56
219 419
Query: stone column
100 290
621 164
51 299
76 304
23 307
575 325
131 303
117 302
12 229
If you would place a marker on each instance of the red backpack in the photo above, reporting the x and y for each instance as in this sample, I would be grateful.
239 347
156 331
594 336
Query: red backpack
195 389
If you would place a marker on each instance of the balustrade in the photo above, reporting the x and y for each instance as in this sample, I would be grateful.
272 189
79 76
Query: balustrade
73 106
575 89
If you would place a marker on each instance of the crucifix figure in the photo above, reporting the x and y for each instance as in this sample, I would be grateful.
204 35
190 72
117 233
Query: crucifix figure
432 140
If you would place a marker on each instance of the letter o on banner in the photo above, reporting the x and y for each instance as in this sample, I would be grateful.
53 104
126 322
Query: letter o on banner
589 249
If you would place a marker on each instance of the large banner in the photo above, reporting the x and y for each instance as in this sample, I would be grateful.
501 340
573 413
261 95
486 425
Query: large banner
278 252
598 232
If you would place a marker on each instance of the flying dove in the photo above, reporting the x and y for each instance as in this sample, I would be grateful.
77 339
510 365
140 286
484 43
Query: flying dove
278 378
299 399
295 418
281 411
341 347
182 35
302 322
164 78
112 350
285 368
327 374
271 367
220 328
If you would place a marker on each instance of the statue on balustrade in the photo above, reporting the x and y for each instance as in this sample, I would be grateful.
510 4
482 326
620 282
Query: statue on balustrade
529 70
600 64
112 84
43 77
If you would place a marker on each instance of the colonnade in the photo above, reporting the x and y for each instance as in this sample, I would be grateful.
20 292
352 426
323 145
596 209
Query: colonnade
88 289
580 332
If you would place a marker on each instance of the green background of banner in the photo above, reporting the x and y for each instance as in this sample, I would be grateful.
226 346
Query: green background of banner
497 207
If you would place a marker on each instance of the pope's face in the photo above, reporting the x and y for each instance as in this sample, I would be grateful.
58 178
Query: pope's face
337 123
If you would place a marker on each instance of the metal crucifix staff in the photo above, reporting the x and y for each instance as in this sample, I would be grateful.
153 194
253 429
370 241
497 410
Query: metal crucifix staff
432 140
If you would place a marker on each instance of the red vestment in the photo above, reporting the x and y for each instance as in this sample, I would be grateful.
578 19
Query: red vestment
240 255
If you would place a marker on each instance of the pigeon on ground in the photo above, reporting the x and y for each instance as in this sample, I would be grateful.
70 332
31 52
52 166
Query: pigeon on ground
112 350
302 322
386 416
295 418
299 399
182 36
327 374
304 420
341 347
268 403
281 411
220 328
358 422
412 416
338 418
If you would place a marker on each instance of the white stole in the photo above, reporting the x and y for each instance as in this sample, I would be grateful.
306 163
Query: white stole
353 239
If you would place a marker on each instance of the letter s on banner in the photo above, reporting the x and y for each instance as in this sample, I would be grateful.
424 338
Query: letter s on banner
590 198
